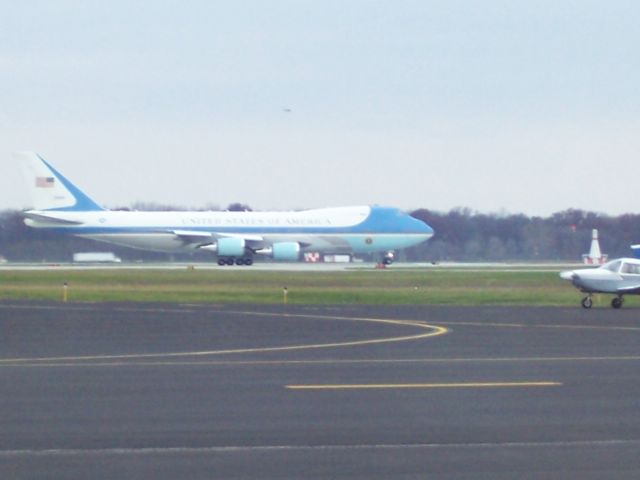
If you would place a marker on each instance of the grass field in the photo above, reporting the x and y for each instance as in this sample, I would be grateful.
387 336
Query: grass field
387 287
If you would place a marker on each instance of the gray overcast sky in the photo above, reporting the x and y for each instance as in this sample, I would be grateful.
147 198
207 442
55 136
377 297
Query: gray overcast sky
497 105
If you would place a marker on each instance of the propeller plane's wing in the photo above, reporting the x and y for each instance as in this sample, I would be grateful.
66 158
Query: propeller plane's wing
632 289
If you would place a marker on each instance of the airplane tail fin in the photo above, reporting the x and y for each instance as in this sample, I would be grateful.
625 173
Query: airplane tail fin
49 189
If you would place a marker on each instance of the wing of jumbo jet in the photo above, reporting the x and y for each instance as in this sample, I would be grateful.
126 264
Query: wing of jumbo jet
189 236
195 236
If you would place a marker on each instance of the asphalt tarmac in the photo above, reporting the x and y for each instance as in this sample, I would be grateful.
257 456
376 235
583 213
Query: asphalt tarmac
192 391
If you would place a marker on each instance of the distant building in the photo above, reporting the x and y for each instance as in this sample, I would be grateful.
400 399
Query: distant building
312 257
595 256
96 257
337 258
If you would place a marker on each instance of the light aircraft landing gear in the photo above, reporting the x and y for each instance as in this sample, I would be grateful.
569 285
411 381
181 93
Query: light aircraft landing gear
617 302
587 302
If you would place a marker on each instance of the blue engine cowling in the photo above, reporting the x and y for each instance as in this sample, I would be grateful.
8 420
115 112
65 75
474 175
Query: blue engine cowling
285 251
230 247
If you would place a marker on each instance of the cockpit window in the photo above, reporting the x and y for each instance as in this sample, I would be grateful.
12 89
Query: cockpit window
613 266
630 268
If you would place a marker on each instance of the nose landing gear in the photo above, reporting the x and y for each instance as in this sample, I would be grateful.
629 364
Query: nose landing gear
587 302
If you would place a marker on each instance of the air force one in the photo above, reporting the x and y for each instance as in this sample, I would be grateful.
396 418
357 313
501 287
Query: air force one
234 237
620 277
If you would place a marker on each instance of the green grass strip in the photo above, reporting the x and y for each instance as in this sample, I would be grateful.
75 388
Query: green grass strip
387 287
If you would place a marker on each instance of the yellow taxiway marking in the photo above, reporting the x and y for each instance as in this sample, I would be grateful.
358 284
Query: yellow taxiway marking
423 385
540 326
432 331
24 363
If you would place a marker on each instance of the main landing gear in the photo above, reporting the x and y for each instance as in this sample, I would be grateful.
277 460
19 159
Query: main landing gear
617 302
222 261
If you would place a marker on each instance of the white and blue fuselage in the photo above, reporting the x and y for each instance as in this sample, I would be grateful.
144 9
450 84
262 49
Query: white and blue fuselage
62 207
344 229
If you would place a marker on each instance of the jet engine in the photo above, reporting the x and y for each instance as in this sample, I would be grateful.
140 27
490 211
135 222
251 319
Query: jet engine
227 247
283 251
286 251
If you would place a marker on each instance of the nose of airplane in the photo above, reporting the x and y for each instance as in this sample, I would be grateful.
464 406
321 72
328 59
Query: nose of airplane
567 275
421 227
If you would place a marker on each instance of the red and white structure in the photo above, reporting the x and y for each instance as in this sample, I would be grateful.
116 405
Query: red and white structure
312 257
595 256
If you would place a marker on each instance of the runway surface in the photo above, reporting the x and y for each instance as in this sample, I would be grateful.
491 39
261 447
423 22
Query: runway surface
192 391
295 266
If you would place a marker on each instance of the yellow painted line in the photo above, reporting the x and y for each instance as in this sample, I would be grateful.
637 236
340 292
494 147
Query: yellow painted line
268 363
541 326
423 385
432 331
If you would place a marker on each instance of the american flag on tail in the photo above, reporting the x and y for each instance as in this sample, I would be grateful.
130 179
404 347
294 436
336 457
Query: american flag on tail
45 182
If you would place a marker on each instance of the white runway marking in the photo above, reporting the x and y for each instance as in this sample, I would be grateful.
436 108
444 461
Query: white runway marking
394 386
123 451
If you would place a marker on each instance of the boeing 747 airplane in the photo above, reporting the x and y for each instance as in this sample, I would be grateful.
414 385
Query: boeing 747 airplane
234 237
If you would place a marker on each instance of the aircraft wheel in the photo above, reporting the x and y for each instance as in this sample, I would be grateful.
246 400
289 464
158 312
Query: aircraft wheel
240 261
616 302
587 302
222 262
248 261
229 261
387 258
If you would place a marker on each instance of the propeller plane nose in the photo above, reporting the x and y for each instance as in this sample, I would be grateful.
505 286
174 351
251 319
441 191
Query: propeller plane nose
567 275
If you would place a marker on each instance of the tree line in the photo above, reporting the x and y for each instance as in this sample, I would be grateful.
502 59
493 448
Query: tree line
465 235
460 235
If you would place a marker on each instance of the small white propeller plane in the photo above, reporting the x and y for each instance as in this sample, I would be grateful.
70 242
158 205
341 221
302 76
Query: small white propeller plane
619 277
